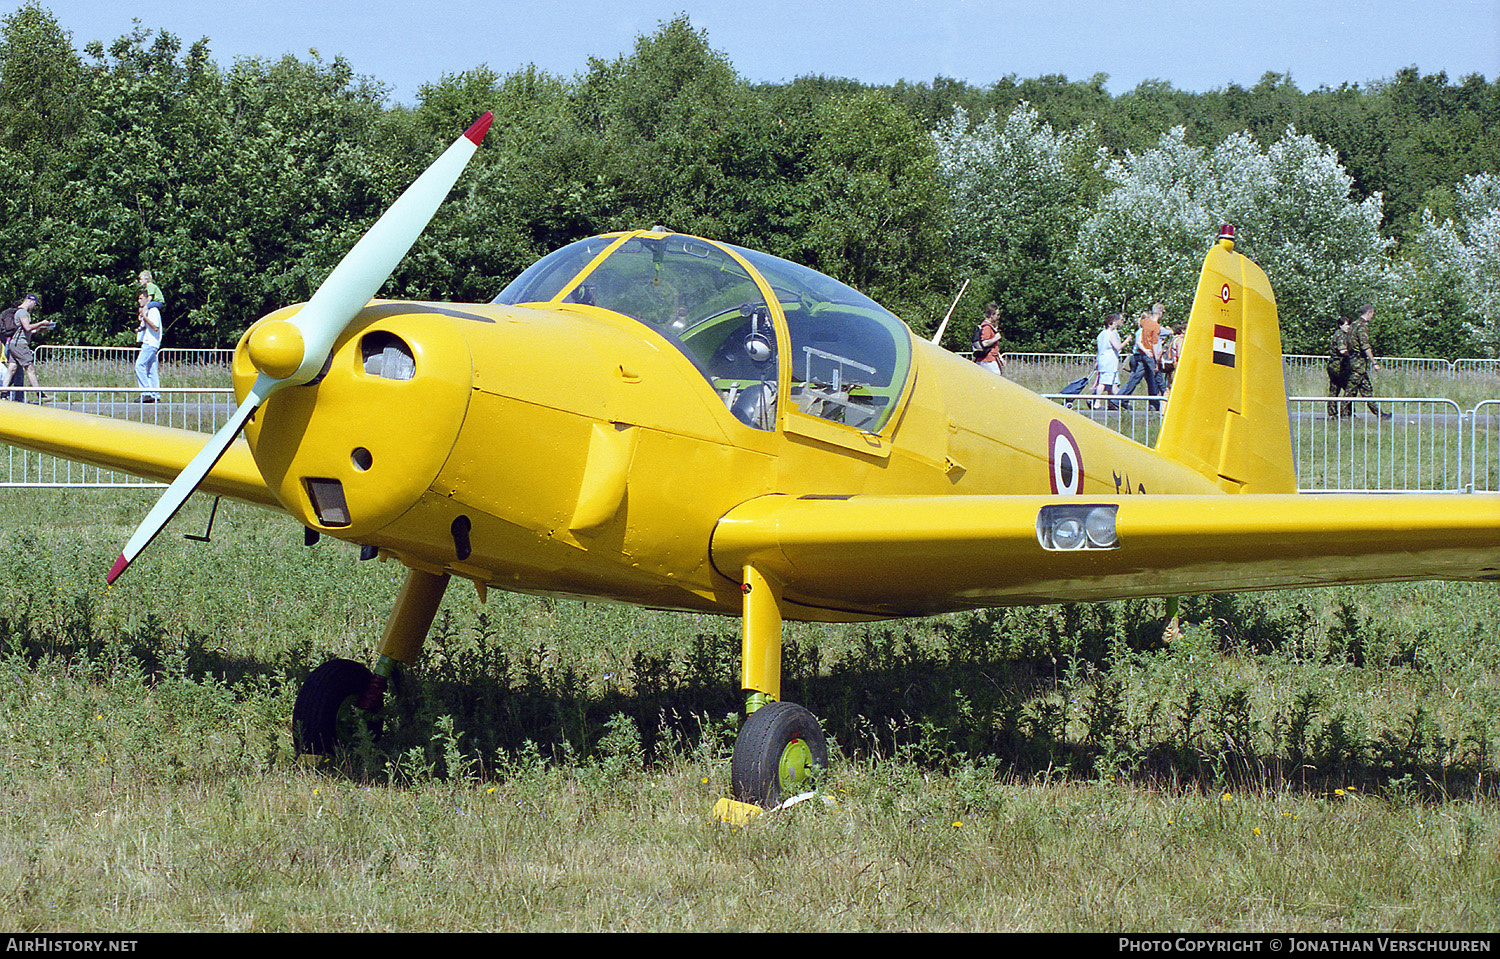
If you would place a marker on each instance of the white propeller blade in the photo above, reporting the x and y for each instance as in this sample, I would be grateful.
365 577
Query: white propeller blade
182 487
292 351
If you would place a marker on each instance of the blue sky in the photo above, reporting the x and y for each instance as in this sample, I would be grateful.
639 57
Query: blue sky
1196 46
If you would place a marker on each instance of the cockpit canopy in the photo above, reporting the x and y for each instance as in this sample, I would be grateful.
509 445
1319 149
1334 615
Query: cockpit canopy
730 310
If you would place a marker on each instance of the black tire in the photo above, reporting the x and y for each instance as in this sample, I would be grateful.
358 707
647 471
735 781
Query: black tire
328 704
776 753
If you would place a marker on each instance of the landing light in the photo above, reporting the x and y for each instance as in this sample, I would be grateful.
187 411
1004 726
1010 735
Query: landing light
1068 533
1085 526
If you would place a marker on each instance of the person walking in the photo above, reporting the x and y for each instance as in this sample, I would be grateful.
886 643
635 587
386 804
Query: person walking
1145 357
1363 361
19 354
1108 347
1340 360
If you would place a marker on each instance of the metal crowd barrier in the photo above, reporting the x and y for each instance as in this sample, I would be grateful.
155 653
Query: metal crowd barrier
71 363
204 410
1471 367
1426 445
1388 364
1080 363
1484 447
1419 447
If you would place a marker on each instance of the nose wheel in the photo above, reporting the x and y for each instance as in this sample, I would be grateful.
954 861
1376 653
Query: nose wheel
328 708
341 695
778 749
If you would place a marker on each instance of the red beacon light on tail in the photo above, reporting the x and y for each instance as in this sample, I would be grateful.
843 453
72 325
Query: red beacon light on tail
1226 235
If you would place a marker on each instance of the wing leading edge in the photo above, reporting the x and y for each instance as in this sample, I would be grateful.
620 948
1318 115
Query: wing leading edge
140 449
918 555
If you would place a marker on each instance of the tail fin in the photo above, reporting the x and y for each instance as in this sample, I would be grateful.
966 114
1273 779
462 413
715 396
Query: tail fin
1228 417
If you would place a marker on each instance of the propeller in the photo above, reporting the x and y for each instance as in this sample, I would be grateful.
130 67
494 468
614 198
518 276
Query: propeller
292 351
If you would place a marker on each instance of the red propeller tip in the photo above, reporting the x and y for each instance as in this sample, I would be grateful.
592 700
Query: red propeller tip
117 569
481 126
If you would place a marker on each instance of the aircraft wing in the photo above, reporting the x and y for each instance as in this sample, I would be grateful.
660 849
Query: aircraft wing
916 555
140 449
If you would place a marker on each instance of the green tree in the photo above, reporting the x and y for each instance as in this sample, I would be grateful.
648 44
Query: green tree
1018 193
876 220
679 139
41 101
1449 289
1136 118
147 111
240 190
1321 247
520 197
1409 135
43 112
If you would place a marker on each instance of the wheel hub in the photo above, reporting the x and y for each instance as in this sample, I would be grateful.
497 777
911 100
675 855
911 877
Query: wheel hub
795 765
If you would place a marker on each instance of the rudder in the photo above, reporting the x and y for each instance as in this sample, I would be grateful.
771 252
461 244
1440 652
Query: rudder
1227 417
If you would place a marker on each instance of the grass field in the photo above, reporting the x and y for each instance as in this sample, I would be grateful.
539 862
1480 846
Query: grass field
1318 761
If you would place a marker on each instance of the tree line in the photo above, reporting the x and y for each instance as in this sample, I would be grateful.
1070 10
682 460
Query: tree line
241 186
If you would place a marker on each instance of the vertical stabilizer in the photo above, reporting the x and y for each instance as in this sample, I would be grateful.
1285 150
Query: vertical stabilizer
1227 417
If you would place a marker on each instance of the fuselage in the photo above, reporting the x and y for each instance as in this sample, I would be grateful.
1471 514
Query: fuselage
568 448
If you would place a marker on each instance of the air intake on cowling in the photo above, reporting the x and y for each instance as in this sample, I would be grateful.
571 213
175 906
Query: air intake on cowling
387 355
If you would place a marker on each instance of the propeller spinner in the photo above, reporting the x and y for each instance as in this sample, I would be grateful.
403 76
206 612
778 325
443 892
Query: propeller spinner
292 351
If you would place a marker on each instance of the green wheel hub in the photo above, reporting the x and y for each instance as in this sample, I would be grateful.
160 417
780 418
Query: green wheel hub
795 766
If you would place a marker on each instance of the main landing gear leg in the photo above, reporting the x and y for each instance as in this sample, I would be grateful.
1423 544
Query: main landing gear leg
339 690
781 743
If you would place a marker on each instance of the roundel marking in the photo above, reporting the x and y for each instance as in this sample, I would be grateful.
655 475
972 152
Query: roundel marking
1224 293
1065 460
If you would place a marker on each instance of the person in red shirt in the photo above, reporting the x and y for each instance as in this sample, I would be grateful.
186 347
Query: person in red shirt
989 355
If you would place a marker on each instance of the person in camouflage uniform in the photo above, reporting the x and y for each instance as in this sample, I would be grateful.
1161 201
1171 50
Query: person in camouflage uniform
1363 360
1340 359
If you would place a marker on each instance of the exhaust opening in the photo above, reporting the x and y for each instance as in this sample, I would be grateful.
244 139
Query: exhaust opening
327 497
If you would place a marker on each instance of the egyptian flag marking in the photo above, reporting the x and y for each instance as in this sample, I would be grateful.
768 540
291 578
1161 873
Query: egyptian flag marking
1224 343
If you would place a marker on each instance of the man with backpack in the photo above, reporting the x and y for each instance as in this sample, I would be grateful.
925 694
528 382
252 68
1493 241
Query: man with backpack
7 330
18 352
1340 362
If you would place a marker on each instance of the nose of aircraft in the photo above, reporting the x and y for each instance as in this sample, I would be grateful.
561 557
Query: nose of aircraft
353 450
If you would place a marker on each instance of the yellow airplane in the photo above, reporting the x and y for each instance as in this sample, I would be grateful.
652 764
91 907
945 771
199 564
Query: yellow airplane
679 423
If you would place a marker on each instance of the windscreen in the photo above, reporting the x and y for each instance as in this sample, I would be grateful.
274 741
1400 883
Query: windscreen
849 356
